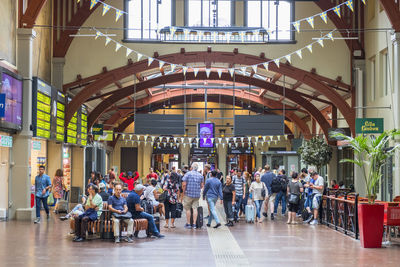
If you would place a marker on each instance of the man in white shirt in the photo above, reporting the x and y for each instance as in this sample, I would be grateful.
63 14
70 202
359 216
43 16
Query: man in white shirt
318 189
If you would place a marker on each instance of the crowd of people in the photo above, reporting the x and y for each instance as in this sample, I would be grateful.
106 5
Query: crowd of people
169 193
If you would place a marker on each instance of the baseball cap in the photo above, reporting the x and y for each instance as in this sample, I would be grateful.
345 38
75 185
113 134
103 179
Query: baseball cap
130 173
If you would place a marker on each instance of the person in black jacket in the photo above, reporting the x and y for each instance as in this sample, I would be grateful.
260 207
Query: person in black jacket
281 196
104 195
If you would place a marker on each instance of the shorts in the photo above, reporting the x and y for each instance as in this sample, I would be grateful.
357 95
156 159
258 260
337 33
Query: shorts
293 207
189 203
271 198
316 201
155 203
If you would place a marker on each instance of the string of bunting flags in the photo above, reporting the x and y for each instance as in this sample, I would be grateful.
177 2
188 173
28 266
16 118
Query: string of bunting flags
243 69
228 34
177 141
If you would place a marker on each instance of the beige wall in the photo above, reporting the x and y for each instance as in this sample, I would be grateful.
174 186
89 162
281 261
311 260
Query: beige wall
8 22
4 173
78 166
54 158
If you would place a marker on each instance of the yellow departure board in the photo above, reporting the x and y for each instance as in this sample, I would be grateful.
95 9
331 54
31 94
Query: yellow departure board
59 119
83 126
42 108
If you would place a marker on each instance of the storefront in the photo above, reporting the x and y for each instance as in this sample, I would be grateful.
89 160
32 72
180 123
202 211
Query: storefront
241 158
38 157
66 165
6 142
164 157
204 156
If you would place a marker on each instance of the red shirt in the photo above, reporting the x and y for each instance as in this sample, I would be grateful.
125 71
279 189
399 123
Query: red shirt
336 186
131 181
152 175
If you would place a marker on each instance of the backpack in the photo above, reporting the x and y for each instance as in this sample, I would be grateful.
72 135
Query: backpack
284 183
276 186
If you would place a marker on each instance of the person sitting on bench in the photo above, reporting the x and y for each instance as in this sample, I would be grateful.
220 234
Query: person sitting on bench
133 201
117 205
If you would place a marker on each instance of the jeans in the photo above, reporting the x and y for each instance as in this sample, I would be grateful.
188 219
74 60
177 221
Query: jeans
228 210
280 196
308 202
240 206
77 210
258 207
38 206
150 220
213 211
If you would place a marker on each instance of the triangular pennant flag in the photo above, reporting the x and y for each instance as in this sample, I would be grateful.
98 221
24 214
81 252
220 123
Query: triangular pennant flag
227 139
241 139
208 72
98 34
337 11
172 31
160 63
186 33
298 52
175 139
117 46
108 40
265 64
330 36
128 51
231 71
279 137
200 34
212 140
130 136
190 139
228 37
309 47
321 42
118 14
324 17
204 140
350 5
93 3
184 69
242 34
277 62
296 25
105 9
219 73
152 138
173 66
289 58
177 144
150 60
215 36
195 71
310 21
264 138
254 68
219 140
243 70
123 136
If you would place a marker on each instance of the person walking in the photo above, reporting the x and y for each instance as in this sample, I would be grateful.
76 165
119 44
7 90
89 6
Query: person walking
42 188
247 185
267 178
258 191
192 183
58 188
171 185
281 195
213 191
239 183
295 188
229 200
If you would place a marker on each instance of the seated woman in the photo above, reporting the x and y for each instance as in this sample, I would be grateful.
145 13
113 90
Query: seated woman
151 193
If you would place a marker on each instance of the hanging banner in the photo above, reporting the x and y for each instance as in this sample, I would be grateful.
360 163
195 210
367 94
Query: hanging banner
369 126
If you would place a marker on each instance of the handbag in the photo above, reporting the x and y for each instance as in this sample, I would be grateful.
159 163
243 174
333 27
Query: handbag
50 199
263 192
293 199
124 216
163 196
91 213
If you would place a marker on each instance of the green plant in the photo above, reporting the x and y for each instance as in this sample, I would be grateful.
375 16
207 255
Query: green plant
315 152
373 152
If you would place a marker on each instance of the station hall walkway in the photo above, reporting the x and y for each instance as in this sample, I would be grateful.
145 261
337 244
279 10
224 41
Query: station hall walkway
271 243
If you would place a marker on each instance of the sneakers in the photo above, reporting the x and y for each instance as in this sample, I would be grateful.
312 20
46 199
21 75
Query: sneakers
217 226
314 222
208 225
129 239
158 235
265 214
63 218
272 216
48 216
78 239
117 240
188 226
194 226
309 218
229 224
37 220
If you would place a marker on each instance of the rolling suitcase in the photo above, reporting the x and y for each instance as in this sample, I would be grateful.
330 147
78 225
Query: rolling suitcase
250 212
63 204
199 221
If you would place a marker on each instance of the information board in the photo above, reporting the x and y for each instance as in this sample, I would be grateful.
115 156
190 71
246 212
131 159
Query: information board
41 115
58 129
83 126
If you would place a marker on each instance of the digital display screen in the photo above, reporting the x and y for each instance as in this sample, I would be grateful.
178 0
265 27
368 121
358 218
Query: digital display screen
59 115
12 88
71 130
206 133
43 109
83 126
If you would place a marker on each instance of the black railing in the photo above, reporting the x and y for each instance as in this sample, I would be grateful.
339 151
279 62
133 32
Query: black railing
341 213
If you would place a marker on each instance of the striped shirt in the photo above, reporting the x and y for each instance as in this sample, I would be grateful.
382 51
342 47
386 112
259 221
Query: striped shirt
238 183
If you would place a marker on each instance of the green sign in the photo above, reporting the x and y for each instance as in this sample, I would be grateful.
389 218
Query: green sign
36 145
6 141
369 125
97 129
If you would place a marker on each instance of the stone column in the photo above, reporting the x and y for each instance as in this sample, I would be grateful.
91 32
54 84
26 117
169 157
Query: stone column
147 153
396 108
57 78
140 169
21 151
222 154
184 150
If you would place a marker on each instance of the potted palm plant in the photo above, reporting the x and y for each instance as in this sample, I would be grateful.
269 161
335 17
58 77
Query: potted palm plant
370 155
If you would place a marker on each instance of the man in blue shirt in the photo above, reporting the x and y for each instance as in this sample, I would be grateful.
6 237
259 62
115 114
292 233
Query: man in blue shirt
133 201
192 183
117 205
213 191
267 178
42 187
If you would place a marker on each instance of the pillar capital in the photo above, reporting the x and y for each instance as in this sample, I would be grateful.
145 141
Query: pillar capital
396 38
58 60
26 34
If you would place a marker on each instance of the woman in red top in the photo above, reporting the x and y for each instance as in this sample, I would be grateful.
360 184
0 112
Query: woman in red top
130 180
58 187
335 185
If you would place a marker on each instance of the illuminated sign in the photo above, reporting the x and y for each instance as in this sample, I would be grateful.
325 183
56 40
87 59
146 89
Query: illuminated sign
41 115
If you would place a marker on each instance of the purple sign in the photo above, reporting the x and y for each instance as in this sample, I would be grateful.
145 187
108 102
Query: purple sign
206 132
12 88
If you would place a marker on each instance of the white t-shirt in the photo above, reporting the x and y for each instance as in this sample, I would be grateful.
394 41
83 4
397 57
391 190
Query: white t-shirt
149 193
319 182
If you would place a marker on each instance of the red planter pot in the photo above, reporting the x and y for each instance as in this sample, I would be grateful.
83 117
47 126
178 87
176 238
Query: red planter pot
370 217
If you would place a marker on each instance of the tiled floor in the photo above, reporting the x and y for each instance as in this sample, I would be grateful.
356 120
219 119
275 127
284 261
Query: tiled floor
272 243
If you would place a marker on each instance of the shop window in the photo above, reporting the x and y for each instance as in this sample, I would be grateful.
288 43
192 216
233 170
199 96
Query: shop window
271 15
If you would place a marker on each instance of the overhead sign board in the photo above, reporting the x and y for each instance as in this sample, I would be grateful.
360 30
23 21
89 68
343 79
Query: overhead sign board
369 126
97 129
